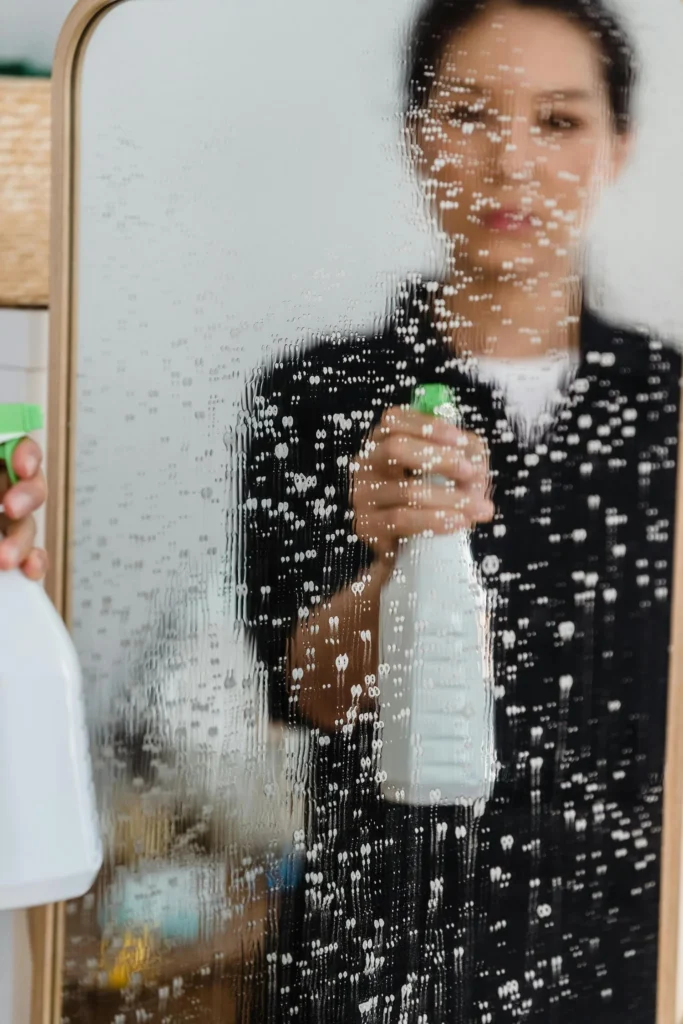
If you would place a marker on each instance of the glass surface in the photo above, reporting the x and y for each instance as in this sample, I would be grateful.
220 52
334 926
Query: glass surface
377 698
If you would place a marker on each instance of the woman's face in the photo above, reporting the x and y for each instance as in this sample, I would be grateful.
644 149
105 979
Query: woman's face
516 140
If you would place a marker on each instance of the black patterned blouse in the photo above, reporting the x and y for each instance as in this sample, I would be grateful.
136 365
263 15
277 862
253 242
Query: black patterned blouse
544 905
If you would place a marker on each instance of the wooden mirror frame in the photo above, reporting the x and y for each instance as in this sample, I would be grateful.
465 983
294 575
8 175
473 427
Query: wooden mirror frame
47 923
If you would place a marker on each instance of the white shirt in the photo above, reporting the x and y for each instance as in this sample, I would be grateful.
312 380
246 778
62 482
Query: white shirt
533 389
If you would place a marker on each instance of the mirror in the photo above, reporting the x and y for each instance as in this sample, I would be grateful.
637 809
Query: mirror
366 381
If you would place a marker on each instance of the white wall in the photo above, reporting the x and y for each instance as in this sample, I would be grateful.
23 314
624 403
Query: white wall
29 29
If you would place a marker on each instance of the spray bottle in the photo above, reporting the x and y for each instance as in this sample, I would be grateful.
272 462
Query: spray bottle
436 680
50 848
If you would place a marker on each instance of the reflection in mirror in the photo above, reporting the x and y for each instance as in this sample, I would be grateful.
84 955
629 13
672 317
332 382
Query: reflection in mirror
372 582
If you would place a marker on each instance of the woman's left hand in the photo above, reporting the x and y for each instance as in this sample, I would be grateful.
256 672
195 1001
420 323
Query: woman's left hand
21 500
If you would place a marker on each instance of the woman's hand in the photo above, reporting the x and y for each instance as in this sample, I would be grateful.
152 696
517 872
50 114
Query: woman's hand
20 501
393 493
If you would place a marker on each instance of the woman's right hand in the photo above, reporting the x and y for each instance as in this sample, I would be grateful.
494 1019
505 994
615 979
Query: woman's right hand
394 495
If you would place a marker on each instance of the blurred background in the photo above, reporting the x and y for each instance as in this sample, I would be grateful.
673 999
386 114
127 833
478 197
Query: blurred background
29 29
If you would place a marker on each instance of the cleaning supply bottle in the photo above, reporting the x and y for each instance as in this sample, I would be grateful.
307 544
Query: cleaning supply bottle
50 848
435 674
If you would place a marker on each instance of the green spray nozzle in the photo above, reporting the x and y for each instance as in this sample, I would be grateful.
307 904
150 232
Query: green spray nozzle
16 421
434 400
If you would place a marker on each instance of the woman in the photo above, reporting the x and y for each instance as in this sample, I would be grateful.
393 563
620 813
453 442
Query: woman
544 905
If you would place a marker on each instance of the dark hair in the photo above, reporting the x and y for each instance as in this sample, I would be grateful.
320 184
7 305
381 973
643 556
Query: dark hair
440 19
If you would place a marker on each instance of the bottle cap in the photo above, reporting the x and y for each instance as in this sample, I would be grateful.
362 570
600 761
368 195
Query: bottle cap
17 421
20 419
430 398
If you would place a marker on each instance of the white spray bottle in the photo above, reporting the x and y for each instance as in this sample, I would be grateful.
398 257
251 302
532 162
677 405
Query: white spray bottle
436 679
50 848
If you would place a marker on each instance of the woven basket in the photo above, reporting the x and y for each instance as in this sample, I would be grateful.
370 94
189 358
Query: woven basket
24 191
